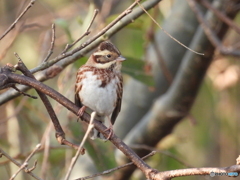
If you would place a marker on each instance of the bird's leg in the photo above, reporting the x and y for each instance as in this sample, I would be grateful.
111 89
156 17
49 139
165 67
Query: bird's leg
110 128
80 112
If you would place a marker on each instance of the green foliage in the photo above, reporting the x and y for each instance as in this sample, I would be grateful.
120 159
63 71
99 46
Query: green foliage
77 64
102 153
135 68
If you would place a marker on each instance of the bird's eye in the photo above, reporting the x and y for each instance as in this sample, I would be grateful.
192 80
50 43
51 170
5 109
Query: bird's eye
109 56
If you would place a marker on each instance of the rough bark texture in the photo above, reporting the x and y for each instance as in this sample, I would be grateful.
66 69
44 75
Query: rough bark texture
170 108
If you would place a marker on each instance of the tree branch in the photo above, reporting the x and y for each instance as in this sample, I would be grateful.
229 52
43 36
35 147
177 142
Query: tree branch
20 79
31 3
169 109
70 58
17 163
60 135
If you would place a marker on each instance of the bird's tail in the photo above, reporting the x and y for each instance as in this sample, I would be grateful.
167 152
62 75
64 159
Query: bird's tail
94 134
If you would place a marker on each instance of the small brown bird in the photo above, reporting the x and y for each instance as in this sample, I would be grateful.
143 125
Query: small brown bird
99 85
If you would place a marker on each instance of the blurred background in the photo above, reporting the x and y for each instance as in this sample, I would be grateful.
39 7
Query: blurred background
205 131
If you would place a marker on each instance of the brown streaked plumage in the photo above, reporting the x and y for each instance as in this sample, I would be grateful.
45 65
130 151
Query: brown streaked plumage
99 85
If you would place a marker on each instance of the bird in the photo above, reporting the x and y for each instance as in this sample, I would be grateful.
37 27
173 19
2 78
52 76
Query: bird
99 86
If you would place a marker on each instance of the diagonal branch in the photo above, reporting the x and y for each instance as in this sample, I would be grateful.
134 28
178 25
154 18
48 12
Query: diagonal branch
20 79
2 152
212 36
112 29
31 3
60 135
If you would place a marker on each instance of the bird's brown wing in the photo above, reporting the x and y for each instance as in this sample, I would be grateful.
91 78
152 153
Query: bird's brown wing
78 87
77 100
119 102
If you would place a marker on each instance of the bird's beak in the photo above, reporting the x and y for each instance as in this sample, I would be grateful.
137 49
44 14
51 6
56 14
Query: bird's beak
121 58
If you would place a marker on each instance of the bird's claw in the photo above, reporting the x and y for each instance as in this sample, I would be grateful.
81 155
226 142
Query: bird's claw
81 112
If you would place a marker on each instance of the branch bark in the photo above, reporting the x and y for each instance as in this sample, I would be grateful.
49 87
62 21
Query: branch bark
7 77
170 108
53 68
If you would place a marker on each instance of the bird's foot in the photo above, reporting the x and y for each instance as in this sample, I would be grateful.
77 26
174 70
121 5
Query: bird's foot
81 112
110 133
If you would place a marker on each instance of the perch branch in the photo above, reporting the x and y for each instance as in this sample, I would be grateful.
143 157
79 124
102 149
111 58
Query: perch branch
15 78
8 95
60 135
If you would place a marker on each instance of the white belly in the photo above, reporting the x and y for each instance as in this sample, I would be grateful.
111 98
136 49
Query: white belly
99 99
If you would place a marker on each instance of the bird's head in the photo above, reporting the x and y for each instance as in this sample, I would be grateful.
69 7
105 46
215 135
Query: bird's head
106 56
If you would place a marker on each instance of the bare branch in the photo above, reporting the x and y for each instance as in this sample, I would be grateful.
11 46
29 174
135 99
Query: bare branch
22 156
25 164
86 33
213 38
167 175
60 135
167 32
18 164
116 168
31 3
8 95
23 93
74 159
15 78
221 16
166 153
52 44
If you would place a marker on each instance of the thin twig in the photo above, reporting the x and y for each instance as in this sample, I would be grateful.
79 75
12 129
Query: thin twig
31 3
167 32
22 156
102 32
209 32
86 33
151 38
116 168
8 95
169 154
25 164
74 159
38 146
167 175
23 93
15 78
52 44
60 135
17 163
221 16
